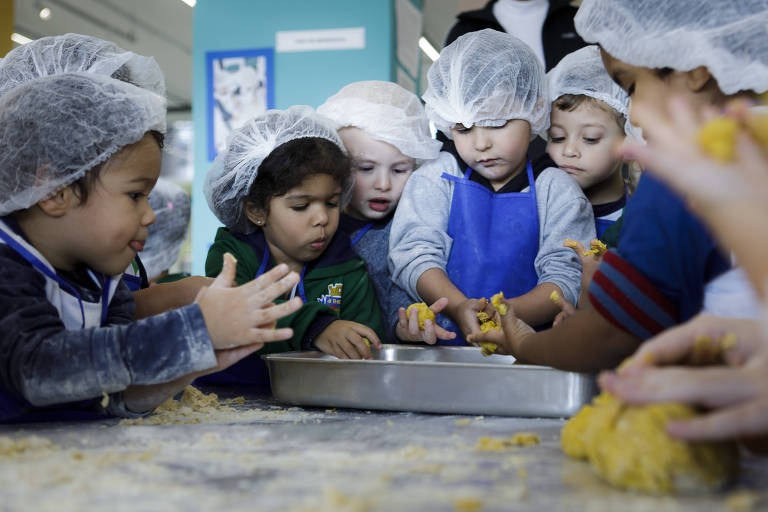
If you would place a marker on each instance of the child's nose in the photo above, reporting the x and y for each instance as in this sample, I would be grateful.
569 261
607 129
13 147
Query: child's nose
482 142
321 217
570 149
382 181
149 216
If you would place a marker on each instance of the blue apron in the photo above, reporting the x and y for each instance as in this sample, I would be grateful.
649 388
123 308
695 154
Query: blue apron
74 313
495 242
601 225
135 276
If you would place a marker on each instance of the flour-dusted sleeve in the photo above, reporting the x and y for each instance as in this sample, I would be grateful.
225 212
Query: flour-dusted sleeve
564 212
43 363
419 237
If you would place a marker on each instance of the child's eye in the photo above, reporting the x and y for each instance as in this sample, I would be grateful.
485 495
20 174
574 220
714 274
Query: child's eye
299 207
401 171
460 128
366 168
556 140
136 195
591 140
333 204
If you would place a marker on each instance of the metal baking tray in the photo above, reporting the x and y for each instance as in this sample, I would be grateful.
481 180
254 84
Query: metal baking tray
452 380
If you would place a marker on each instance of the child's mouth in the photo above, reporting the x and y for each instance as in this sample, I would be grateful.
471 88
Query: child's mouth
378 205
318 244
136 245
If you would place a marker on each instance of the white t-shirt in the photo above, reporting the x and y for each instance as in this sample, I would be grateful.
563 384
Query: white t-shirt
524 19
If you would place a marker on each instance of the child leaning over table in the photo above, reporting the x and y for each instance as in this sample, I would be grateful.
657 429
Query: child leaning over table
79 153
466 234
278 189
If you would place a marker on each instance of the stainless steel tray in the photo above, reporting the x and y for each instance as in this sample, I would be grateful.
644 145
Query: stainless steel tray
453 380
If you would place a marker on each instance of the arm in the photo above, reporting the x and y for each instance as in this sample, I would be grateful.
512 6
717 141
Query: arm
564 213
418 239
164 296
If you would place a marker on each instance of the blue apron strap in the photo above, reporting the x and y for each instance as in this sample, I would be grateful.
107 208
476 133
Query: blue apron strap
467 173
301 284
264 261
360 234
106 282
531 181
35 262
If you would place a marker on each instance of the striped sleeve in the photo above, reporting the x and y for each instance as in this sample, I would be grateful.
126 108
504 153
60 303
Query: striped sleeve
627 299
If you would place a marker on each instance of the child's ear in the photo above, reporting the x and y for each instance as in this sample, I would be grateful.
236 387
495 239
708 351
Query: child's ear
59 203
697 78
256 215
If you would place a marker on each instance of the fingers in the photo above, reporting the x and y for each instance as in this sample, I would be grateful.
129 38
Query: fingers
258 334
710 387
576 246
439 305
444 334
364 330
228 357
264 291
429 337
746 420
270 314
226 277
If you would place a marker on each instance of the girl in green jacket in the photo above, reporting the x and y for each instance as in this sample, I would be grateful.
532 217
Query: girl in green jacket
278 188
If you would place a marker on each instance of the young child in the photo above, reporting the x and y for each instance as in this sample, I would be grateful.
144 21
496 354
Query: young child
79 153
500 224
589 120
171 205
657 276
386 133
278 189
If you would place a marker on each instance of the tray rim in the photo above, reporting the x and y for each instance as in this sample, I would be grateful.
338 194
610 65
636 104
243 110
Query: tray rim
297 357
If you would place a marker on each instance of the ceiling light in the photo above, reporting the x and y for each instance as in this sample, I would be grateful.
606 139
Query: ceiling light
428 49
190 3
20 39
45 13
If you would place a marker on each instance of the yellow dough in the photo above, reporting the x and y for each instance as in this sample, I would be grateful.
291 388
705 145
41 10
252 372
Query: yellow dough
628 446
424 313
496 302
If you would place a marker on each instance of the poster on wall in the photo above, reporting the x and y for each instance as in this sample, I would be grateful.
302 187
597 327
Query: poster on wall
240 86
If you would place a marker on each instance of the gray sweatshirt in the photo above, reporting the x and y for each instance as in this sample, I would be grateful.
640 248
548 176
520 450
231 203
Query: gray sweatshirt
419 237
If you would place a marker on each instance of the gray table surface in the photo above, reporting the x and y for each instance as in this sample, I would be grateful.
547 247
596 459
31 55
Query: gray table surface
266 456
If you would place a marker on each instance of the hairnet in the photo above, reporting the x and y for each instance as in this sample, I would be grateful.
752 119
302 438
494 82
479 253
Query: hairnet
166 235
486 78
582 72
729 38
73 53
56 128
386 112
230 178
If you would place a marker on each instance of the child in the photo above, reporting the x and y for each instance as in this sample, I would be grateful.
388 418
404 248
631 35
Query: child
587 123
657 276
278 189
386 133
79 153
468 234
171 205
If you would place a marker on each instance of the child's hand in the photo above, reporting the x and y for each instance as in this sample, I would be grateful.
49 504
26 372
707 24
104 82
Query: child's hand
245 315
737 392
515 332
590 258
408 327
465 315
344 339
566 308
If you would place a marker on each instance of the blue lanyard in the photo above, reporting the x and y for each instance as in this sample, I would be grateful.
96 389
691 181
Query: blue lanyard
263 267
39 265
360 234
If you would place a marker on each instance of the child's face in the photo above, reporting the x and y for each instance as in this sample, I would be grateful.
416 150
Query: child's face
111 226
301 223
496 153
380 172
582 142
651 92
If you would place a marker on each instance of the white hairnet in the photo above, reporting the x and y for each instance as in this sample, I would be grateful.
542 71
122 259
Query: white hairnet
582 73
56 128
230 178
486 78
167 234
386 112
730 38
74 53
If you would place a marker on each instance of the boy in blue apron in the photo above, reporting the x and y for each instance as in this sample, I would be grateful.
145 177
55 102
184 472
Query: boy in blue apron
386 133
590 118
79 153
499 225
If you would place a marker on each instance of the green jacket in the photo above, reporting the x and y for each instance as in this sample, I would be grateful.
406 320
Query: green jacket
336 286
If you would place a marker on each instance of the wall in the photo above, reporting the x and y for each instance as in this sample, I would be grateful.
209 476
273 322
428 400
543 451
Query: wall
299 78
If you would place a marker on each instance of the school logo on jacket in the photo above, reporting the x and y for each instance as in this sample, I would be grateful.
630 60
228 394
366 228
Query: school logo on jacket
333 298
